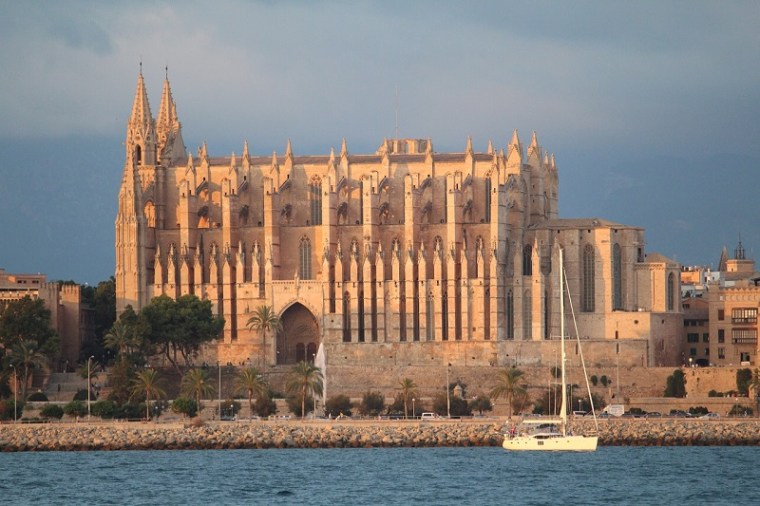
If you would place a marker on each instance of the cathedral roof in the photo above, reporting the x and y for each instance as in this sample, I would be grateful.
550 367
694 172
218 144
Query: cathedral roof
658 258
580 223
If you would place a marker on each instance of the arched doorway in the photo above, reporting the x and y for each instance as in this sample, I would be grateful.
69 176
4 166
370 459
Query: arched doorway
299 338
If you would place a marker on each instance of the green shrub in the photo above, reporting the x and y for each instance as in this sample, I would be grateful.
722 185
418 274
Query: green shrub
676 385
342 404
481 403
604 380
714 393
37 397
594 380
739 410
75 409
265 406
103 409
743 380
698 410
456 405
372 404
294 405
81 395
185 406
52 411
130 411
7 409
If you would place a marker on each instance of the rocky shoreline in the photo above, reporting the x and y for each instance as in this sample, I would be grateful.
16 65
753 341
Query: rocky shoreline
364 434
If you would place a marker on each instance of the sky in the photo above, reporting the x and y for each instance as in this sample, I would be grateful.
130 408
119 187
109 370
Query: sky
651 107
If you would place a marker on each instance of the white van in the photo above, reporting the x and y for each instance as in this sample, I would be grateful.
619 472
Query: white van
428 416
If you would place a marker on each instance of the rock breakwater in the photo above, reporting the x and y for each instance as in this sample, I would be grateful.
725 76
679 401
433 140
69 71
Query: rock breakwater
295 434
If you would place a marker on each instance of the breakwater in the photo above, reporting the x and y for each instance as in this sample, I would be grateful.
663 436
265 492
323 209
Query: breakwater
365 434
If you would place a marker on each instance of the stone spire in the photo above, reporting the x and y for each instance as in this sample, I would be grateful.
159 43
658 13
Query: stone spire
141 136
168 128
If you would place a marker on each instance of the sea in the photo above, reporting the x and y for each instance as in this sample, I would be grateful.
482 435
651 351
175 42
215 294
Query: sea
384 476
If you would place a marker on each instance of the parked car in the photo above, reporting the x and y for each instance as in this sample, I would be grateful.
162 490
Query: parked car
709 416
428 416
654 414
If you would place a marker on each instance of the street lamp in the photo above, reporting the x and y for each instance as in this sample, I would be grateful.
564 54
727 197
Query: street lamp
413 411
15 395
88 387
219 366
448 396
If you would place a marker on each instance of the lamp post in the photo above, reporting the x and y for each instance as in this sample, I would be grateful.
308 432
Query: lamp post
88 386
448 397
413 411
15 395
219 395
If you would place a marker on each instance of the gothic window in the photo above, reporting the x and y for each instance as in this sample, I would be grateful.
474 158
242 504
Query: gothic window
311 352
300 352
488 200
527 316
510 315
138 154
346 317
547 315
315 200
587 303
617 278
671 291
527 261
304 270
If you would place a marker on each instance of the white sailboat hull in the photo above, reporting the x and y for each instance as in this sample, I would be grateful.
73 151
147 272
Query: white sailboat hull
558 442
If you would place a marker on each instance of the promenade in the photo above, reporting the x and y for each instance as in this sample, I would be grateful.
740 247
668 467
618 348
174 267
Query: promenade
111 435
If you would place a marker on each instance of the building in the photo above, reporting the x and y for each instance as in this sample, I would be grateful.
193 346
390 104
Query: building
733 303
404 254
72 319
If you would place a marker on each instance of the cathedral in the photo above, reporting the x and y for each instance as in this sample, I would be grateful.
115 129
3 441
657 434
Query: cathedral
404 255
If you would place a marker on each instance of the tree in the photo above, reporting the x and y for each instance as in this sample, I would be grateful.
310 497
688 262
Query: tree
196 384
26 356
675 385
265 405
251 382
147 382
372 404
179 328
52 411
76 409
481 403
102 299
743 381
337 405
408 391
121 340
510 382
305 379
185 406
28 319
264 320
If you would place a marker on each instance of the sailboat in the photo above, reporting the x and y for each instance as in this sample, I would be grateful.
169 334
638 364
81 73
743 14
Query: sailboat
535 435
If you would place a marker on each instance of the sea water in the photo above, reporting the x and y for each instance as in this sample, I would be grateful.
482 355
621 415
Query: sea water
439 476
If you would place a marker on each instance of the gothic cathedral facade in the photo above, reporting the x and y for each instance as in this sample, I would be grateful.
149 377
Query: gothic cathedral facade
405 251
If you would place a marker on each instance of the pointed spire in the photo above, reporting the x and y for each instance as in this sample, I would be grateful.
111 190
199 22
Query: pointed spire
233 161
245 149
332 157
141 118
468 148
288 150
429 147
534 140
490 147
343 149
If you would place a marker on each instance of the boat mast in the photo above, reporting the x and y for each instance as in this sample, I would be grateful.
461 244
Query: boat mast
563 405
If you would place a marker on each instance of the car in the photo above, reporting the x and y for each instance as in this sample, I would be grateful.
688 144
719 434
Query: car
428 416
709 416
579 413
654 414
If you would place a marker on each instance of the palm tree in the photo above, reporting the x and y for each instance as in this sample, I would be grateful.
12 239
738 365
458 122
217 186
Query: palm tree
25 355
250 381
149 383
408 389
264 320
196 383
120 339
305 379
510 384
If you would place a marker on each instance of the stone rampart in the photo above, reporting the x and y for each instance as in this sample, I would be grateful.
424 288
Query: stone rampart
355 434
